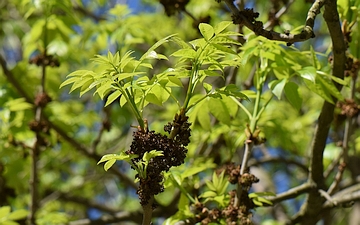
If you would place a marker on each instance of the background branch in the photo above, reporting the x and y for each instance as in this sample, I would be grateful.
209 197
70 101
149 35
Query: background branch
258 29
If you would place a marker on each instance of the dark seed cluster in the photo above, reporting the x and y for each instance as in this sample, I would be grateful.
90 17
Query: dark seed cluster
174 153
48 60
348 108
232 214
239 214
180 128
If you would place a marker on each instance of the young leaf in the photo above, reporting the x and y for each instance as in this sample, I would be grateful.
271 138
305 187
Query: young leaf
292 94
109 164
277 87
152 154
308 73
18 104
219 110
18 214
112 97
220 27
155 46
206 30
185 53
207 87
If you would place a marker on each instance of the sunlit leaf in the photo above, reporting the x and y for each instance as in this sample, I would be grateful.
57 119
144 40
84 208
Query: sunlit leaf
206 30
112 97
292 94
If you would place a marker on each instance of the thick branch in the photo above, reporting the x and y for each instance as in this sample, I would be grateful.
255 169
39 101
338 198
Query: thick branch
258 29
10 77
313 206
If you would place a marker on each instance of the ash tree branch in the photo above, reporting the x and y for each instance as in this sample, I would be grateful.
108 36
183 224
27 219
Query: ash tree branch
344 197
83 149
313 205
10 77
293 193
80 147
258 28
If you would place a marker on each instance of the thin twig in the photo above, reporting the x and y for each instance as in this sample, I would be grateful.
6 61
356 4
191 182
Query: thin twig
257 27
292 193
281 12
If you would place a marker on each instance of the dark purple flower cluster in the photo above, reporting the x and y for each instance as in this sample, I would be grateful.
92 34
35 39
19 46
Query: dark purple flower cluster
174 153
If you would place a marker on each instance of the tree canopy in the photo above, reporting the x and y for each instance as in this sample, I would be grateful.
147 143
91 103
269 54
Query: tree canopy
179 112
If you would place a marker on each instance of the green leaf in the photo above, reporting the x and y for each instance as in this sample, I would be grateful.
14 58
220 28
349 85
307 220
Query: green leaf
202 115
112 97
123 76
18 214
110 159
122 100
292 94
318 89
220 27
207 87
232 90
104 89
68 81
208 194
18 104
152 154
5 211
206 30
9 222
109 164
188 53
156 45
224 48
219 110
277 87
308 73
180 42
329 86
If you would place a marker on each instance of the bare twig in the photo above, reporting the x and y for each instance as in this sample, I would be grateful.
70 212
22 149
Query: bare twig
281 12
293 192
270 159
344 196
257 27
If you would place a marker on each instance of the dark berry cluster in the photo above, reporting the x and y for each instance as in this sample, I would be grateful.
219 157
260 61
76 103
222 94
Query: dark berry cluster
232 214
180 129
239 214
42 99
352 67
174 153
348 108
245 180
205 215
48 60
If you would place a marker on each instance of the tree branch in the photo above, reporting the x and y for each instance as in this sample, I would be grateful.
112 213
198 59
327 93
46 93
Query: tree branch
94 156
10 77
257 27
344 197
292 193
313 206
